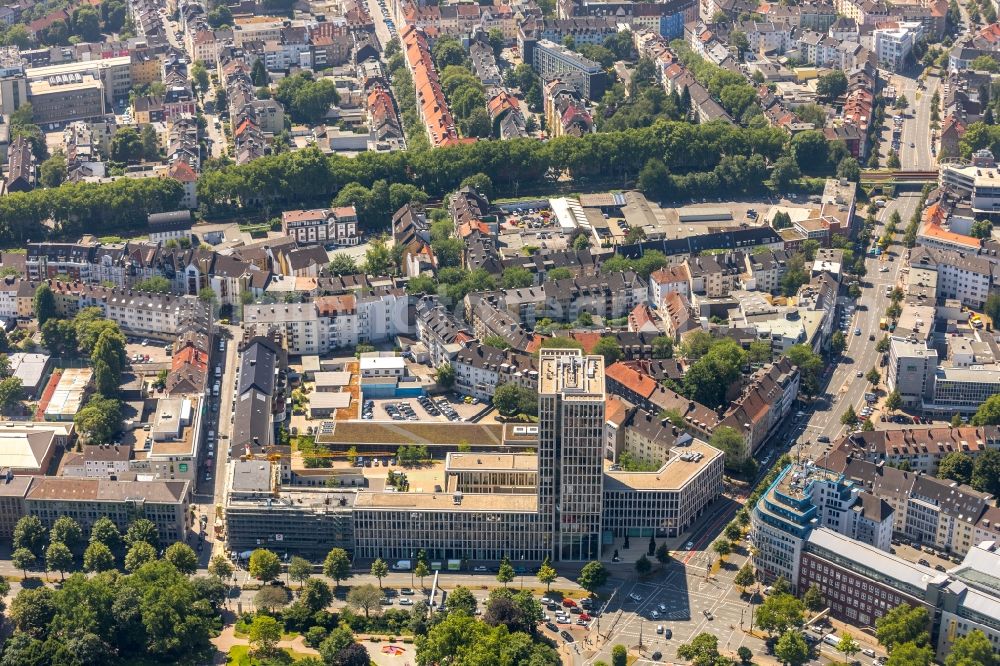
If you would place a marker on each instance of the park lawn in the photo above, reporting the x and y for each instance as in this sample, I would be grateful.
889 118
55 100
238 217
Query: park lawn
239 655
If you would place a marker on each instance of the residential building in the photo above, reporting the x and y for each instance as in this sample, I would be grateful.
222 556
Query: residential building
336 226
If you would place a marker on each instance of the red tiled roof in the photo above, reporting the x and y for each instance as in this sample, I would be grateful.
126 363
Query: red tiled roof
631 379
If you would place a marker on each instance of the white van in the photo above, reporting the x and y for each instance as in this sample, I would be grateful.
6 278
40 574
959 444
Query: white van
831 639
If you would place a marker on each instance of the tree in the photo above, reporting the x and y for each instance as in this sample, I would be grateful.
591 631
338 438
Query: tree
910 654
66 531
893 401
10 393
662 553
703 650
956 466
200 75
813 598
44 304
380 570
52 173
507 399
365 598
722 546
780 612
58 558
546 574
592 576
421 571
838 343
832 85
156 284
981 229
343 264
271 598
971 649
985 63
873 377
306 99
745 655
126 145
339 639
150 143
138 554
849 169
849 417
99 420
29 533
461 600
98 558
785 172
108 359
264 634
300 569
619 655
643 565
516 277
892 159
337 565
792 648
220 567
986 472
745 577
59 337
142 529
882 346
608 347
506 572
183 557
730 442
988 412
903 624
848 645
23 559
663 347
264 565
316 594
445 375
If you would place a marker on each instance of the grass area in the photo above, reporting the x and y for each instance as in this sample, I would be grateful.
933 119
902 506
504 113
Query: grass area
239 655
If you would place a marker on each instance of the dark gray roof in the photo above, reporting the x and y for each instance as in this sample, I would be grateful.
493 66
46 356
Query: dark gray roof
873 508
174 220
257 369
252 420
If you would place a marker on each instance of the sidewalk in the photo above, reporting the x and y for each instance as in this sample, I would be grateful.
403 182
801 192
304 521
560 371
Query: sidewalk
227 639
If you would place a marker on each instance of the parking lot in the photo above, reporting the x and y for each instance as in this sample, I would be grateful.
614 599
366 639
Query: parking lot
153 351
426 408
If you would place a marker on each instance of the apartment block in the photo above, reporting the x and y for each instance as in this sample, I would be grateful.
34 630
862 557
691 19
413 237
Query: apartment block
337 226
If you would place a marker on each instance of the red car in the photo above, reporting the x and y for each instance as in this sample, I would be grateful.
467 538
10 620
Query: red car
568 603
584 616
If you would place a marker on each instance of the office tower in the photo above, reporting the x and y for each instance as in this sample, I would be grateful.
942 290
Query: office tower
571 420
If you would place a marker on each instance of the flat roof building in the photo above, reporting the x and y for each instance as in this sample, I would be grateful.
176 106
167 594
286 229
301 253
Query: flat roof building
551 60
69 395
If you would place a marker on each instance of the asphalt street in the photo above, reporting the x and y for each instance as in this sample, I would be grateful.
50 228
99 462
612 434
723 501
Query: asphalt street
843 387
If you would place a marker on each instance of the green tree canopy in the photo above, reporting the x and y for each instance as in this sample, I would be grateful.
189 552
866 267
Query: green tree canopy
903 624
956 466
264 565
